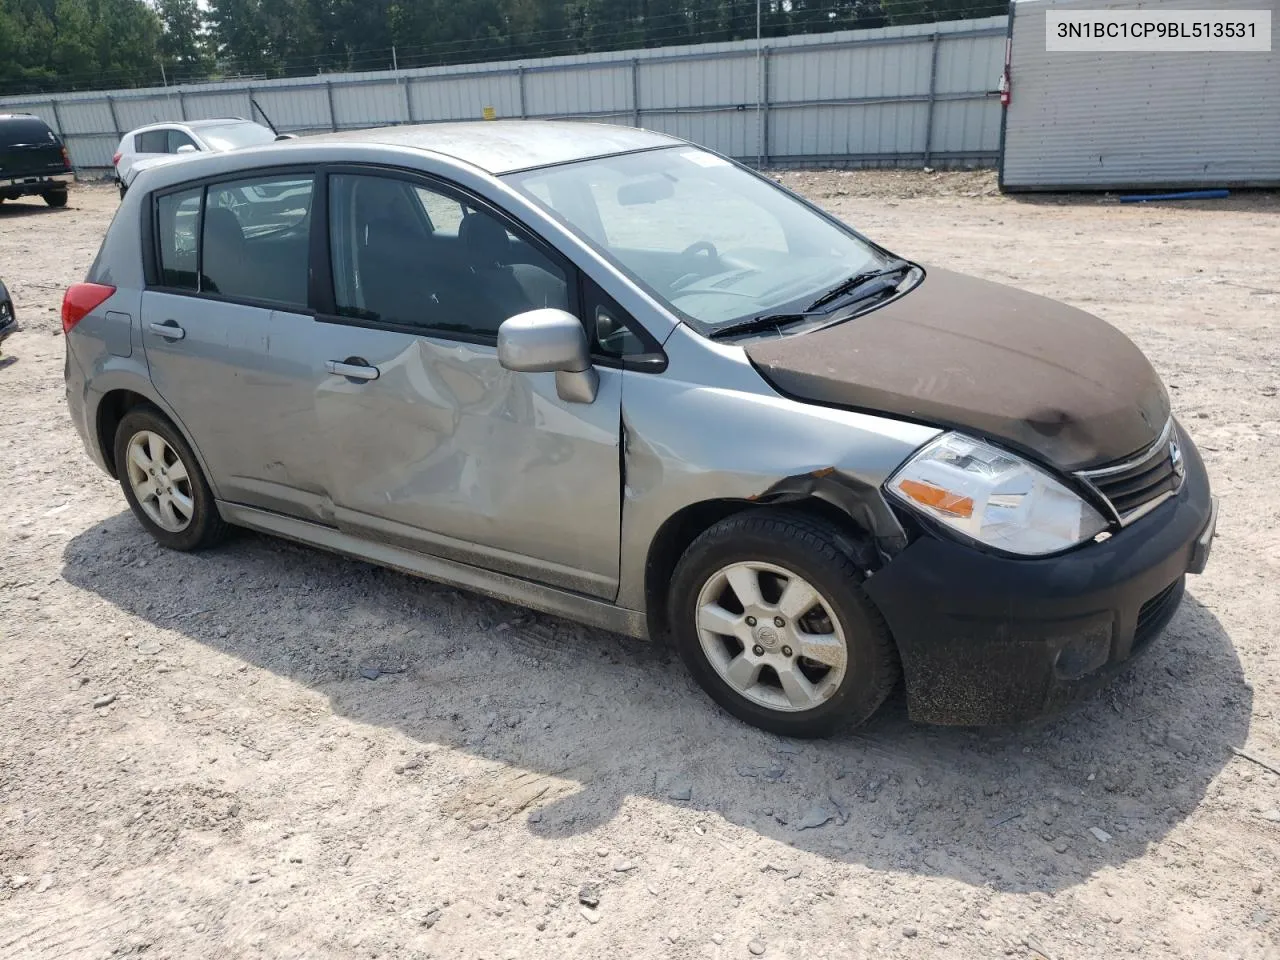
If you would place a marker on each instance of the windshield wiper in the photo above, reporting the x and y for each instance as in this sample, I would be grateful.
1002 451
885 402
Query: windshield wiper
857 280
768 321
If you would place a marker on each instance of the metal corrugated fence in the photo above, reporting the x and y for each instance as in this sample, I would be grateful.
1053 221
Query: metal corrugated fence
907 95
1115 121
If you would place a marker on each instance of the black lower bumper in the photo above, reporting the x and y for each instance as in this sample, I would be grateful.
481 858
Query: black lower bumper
11 188
986 639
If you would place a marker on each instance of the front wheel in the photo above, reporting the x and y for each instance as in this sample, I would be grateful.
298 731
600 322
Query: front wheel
768 612
56 198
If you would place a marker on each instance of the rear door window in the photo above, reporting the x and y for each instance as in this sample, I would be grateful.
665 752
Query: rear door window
152 141
244 239
255 239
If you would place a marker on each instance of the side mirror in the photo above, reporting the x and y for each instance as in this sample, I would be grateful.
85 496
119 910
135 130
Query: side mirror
186 148
550 341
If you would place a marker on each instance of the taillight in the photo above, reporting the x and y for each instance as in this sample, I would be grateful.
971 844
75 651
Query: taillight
81 298
66 158
115 159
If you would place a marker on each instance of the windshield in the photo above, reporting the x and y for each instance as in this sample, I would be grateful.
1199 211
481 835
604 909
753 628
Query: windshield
232 136
709 238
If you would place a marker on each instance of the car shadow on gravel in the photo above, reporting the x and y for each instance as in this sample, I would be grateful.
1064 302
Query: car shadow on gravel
580 720
27 207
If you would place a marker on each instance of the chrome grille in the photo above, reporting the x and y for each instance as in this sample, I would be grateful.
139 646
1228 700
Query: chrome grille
1138 485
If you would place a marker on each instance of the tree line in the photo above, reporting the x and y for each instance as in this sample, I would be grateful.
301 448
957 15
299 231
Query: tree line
53 45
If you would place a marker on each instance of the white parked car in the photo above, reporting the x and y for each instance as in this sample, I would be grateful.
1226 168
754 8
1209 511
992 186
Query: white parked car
161 141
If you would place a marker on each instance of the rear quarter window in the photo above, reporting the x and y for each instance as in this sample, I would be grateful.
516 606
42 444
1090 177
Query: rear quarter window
177 227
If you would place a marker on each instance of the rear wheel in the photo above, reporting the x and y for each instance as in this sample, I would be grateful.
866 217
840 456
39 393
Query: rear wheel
56 198
163 483
769 614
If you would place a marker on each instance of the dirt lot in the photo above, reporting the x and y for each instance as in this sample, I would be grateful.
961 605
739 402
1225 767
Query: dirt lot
248 793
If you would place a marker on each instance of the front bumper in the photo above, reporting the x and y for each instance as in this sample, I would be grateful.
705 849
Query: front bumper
8 316
986 639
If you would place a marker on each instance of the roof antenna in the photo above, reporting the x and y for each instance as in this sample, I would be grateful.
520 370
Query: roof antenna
279 136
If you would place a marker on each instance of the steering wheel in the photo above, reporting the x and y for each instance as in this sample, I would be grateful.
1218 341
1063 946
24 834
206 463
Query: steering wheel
692 250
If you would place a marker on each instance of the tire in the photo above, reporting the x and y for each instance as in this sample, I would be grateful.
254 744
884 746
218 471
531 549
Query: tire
192 506
56 198
778 547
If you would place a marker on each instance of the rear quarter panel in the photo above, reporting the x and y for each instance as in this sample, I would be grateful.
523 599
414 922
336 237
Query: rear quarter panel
104 350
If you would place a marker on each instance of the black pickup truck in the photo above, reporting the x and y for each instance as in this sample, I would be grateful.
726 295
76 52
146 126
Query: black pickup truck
33 160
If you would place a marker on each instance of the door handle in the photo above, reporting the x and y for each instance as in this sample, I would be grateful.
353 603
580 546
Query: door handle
353 368
169 330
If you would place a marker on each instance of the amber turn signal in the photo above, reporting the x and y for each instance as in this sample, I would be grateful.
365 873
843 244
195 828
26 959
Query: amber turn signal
938 499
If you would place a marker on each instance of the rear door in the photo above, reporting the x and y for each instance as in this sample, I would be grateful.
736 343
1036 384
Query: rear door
431 443
230 341
28 148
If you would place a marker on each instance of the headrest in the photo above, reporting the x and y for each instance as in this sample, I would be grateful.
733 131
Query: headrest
485 239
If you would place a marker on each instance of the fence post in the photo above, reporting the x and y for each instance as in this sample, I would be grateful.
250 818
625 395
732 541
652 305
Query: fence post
762 158
933 98
635 91
408 101
182 104
115 119
524 113
333 117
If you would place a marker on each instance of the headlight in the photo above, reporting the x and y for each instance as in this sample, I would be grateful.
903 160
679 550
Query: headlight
994 497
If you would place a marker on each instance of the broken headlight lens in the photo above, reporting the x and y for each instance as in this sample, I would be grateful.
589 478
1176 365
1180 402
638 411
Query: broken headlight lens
994 497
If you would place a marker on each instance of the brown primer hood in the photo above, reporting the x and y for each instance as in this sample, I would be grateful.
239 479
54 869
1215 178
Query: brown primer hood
1029 372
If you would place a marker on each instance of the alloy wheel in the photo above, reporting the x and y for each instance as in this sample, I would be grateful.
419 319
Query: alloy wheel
160 481
772 636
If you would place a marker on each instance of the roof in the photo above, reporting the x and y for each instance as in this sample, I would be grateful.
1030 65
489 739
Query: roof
501 146
193 124
213 122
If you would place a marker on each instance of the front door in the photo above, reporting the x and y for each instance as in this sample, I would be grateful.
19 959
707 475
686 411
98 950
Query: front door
229 340
431 443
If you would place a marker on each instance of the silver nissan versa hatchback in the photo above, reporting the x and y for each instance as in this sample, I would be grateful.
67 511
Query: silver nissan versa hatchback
615 377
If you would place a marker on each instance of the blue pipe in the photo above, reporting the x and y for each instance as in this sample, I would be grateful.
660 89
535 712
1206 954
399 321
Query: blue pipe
1190 195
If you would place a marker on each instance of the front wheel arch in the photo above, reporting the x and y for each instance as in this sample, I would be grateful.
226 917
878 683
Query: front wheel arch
684 526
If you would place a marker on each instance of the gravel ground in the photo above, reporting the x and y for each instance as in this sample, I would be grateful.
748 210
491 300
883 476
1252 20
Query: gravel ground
195 763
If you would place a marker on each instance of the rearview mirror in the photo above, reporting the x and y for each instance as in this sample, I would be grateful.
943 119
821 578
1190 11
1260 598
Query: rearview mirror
186 148
650 190
550 341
